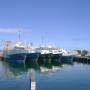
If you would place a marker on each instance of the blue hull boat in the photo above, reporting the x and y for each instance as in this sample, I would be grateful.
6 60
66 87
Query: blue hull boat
67 58
32 57
16 58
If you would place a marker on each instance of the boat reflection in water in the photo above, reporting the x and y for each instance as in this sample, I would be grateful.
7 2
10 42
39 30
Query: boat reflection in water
20 68
26 73
29 76
44 65
19 74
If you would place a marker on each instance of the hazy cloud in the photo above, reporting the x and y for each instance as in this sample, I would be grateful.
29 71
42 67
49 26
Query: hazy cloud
12 30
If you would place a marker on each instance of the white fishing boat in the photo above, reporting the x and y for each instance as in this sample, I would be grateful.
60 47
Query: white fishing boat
17 53
49 52
44 51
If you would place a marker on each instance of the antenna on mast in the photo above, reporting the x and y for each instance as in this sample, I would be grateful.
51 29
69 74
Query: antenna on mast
19 35
42 40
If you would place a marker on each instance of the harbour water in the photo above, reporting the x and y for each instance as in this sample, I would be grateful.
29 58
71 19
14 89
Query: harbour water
48 75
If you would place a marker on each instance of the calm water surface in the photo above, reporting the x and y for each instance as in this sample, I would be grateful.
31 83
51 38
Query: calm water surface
48 76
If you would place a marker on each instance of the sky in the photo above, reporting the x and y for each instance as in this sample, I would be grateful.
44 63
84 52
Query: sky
64 23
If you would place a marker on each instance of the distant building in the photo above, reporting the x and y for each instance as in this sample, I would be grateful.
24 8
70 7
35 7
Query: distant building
75 52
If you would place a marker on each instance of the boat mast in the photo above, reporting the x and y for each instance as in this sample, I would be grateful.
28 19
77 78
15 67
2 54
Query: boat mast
19 35
42 40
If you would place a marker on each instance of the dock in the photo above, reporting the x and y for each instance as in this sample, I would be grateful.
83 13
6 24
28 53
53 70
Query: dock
82 59
1 55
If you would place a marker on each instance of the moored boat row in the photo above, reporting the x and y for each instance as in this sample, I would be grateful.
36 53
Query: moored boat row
19 53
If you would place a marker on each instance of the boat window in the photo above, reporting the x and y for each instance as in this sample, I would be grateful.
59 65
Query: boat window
19 47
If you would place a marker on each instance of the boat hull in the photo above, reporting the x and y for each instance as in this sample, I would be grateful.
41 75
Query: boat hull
45 56
67 59
54 56
33 57
16 58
